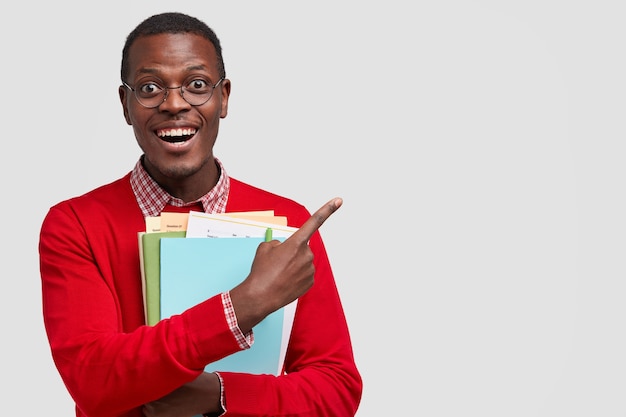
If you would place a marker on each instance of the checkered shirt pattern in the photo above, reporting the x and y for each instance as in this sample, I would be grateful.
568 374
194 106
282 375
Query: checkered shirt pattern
152 199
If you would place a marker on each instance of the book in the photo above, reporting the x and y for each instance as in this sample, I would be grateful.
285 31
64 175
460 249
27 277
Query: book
194 269
150 253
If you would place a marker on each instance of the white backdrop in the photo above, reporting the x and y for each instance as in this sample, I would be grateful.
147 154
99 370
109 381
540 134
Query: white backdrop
478 146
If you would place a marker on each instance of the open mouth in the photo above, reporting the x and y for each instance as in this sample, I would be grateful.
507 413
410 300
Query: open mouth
176 135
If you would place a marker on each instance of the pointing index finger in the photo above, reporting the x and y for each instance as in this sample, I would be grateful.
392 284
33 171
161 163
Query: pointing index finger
304 233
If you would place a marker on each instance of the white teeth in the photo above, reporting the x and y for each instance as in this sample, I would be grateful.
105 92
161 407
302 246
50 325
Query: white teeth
176 132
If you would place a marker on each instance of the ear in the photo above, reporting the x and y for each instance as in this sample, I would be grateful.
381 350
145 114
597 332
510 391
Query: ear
124 95
225 94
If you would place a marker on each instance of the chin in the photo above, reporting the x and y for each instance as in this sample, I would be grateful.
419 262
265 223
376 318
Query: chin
180 171
176 168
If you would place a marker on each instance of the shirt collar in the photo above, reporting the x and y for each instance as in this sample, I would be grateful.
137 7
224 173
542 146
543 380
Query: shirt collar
152 198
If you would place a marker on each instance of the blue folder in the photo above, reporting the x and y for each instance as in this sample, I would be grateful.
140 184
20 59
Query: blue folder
194 269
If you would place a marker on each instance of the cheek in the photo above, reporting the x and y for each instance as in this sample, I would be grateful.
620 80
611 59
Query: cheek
141 136
137 117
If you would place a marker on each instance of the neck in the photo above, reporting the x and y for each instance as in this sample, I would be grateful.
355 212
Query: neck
185 185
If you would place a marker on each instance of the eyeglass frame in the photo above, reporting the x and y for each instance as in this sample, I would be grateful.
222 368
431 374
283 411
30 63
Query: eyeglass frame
167 92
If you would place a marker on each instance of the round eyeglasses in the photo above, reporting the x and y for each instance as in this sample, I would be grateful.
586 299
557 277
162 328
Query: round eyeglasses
196 92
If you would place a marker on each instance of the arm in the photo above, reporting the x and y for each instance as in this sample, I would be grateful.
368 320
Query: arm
201 396
94 319
321 378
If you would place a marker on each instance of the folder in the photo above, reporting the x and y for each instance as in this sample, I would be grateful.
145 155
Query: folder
150 253
194 269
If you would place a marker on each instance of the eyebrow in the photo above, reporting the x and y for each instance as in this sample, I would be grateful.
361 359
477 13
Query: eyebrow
189 68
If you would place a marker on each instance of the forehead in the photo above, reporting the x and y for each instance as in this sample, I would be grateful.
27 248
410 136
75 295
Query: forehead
167 54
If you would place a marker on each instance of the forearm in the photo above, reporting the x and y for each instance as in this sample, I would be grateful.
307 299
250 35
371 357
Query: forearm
200 396
321 376
130 369
109 361
320 391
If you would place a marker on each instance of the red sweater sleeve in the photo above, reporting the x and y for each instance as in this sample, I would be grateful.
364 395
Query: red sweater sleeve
110 362
321 378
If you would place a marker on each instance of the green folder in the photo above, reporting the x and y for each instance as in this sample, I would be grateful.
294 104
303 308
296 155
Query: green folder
152 269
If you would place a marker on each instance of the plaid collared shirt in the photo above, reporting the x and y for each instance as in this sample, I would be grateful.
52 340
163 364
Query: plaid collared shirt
152 198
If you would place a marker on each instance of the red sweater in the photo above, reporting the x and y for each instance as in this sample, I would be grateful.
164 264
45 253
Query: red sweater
112 363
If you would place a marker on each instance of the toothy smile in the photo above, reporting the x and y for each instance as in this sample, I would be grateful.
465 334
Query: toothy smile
177 134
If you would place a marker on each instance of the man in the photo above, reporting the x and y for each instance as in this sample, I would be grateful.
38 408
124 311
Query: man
174 92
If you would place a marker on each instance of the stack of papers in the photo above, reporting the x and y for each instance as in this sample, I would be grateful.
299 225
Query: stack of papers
188 258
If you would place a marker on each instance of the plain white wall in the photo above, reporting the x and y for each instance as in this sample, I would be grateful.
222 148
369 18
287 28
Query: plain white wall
478 146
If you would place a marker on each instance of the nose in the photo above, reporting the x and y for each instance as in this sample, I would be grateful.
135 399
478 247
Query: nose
173 102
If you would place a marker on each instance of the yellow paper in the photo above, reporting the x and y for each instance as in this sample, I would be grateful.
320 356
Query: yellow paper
174 222
153 224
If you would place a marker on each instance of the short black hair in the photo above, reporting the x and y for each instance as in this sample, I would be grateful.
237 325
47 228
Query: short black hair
172 22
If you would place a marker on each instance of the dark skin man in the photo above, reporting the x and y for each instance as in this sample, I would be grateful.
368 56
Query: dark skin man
177 139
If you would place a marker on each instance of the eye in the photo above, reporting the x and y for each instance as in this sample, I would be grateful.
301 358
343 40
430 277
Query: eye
198 86
150 89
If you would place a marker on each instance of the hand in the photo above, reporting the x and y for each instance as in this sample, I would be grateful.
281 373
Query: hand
199 396
280 272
